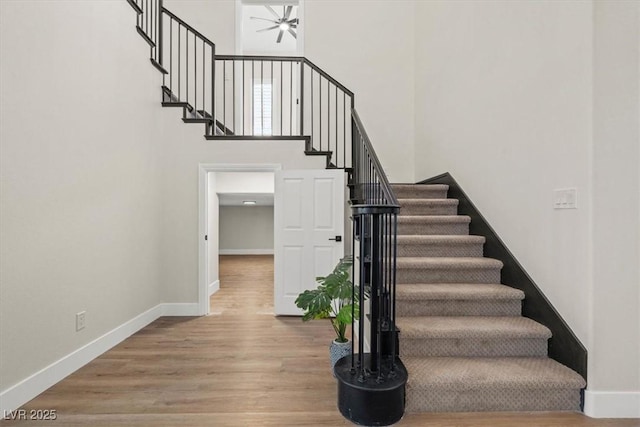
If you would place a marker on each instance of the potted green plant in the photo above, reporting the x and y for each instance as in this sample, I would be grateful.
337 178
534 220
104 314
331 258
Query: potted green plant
333 299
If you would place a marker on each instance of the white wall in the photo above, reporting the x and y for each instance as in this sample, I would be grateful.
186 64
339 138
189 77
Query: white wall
369 47
80 179
615 336
245 182
214 19
516 99
246 229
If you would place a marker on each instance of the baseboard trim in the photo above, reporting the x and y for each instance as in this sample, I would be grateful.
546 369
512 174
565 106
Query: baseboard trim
180 309
564 346
612 404
214 287
19 394
27 389
245 251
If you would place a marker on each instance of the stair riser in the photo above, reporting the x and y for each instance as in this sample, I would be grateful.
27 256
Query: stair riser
416 275
406 308
440 250
473 347
416 193
442 399
428 209
433 229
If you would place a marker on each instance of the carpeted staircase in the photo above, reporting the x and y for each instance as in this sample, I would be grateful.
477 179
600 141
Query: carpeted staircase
462 337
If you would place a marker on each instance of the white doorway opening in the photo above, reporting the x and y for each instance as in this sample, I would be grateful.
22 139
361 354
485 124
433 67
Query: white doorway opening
209 205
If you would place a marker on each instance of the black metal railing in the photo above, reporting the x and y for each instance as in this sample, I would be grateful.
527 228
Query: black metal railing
187 59
282 98
375 213
247 97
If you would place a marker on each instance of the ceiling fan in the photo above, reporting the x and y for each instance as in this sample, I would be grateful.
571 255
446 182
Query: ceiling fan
283 23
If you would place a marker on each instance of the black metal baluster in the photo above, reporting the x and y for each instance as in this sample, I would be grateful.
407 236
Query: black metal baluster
233 94
313 134
300 99
361 274
344 129
291 100
186 66
224 96
281 100
213 87
253 98
195 76
179 61
161 35
394 332
328 115
262 97
244 102
320 108
271 96
336 125
170 55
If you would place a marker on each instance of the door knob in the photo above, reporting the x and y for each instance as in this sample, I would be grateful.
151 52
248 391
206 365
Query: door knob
337 238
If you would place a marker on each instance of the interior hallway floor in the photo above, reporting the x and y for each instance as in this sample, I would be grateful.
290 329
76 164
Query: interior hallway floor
239 366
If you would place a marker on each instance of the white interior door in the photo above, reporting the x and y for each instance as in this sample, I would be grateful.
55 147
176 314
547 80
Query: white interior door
308 215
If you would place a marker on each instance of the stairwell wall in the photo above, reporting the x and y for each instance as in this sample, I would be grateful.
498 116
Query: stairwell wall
80 209
353 42
517 99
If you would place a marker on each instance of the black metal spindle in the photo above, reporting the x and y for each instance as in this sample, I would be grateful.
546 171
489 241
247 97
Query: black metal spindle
233 93
224 96
171 54
313 139
271 97
161 34
244 103
179 61
213 86
281 101
195 76
186 65
336 125
361 377
291 99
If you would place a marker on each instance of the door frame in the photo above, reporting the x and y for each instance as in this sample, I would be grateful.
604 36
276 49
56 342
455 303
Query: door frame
203 219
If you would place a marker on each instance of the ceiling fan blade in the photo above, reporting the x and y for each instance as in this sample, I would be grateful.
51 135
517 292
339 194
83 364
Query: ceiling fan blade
273 12
280 36
265 19
293 21
268 29
288 12
293 33
293 26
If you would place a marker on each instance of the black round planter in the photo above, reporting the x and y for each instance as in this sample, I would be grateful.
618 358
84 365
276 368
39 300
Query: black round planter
374 401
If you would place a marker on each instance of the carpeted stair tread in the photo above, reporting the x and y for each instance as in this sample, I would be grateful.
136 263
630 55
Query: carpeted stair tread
440 246
456 291
464 373
409 239
429 206
448 263
433 219
420 190
433 224
471 327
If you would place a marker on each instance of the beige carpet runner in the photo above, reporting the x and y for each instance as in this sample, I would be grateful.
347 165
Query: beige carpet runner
463 339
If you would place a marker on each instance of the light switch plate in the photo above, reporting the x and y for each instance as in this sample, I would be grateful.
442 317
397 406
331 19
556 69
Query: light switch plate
565 198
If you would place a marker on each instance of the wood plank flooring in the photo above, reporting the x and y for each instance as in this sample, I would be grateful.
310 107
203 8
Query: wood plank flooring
240 366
